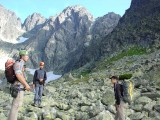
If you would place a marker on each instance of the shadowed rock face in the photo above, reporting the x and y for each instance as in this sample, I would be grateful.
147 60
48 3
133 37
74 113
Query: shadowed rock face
100 28
138 27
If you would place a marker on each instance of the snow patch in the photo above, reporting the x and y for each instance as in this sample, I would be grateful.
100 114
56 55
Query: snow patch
21 39
50 75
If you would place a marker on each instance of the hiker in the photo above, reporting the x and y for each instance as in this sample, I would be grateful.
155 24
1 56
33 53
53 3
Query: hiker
119 104
20 83
38 83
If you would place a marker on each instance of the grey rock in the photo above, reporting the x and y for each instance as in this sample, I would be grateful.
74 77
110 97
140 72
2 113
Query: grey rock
128 111
149 107
138 107
111 109
57 119
3 117
33 22
64 116
143 100
32 115
96 109
108 98
136 116
81 115
157 108
147 118
154 114
104 25
85 108
48 116
10 25
63 106
104 115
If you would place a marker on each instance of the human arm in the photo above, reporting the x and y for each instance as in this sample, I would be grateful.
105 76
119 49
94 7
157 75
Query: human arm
22 80
45 76
34 79
20 75
118 94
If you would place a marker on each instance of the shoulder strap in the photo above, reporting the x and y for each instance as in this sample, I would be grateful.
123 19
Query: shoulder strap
131 89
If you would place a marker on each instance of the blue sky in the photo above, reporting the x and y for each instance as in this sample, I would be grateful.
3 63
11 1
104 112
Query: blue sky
47 8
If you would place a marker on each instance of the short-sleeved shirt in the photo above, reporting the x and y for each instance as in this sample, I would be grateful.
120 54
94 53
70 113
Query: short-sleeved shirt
19 68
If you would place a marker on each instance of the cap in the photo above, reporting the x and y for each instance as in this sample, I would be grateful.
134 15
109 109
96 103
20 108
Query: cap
23 52
41 64
114 77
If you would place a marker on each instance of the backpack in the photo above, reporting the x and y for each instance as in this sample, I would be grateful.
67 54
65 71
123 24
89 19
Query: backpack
9 71
127 91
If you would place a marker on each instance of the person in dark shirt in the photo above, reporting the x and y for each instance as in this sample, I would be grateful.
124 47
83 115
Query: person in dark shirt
119 104
38 83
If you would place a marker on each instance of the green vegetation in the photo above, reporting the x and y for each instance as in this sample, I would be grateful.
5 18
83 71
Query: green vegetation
78 80
130 52
125 76
85 73
129 62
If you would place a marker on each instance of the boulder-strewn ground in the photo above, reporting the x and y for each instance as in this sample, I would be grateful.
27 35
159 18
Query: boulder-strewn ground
87 94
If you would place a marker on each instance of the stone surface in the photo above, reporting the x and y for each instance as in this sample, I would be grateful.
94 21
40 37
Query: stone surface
136 116
10 25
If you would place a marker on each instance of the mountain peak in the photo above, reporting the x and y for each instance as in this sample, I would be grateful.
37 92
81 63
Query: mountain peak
36 15
76 10
75 7
33 20
10 25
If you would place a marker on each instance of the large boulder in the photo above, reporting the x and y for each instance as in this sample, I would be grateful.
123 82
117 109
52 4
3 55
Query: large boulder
104 115
137 116
108 97
143 100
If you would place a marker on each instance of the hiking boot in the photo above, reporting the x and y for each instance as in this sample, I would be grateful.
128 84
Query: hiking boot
40 106
35 105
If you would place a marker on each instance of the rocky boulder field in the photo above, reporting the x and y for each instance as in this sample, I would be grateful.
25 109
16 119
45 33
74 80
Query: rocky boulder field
83 95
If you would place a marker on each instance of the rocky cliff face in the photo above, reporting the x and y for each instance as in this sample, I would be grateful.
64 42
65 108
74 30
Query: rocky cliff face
138 27
104 25
57 39
67 35
75 33
33 23
100 28
10 25
73 27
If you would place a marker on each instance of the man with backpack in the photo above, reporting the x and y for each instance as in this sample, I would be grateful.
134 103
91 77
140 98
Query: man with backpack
38 83
19 85
119 104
